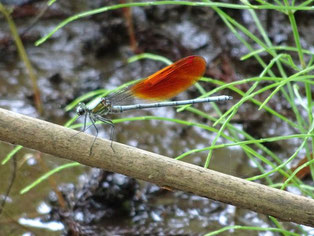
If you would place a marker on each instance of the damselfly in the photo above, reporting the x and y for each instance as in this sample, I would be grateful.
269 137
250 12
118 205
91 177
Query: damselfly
162 85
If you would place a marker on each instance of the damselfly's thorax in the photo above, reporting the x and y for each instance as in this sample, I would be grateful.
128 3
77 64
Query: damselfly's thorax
106 102
100 107
106 106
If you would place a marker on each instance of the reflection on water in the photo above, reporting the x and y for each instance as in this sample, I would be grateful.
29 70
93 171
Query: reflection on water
38 223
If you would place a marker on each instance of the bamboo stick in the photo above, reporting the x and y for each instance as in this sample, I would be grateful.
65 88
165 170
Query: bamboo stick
163 171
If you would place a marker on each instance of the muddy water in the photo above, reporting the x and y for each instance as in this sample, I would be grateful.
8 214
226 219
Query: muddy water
88 54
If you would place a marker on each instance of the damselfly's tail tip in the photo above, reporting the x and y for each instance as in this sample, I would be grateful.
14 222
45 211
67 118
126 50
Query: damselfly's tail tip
229 97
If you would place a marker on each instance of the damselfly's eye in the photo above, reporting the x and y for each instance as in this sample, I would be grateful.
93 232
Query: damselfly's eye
80 110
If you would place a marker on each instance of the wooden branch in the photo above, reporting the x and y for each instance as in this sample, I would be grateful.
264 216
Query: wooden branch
163 171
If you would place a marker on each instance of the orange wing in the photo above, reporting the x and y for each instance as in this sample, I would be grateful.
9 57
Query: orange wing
171 80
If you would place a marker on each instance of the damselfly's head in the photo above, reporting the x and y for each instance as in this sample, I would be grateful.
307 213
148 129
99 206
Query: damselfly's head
81 109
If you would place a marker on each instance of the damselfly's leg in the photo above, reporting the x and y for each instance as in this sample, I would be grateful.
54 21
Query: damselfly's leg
112 135
93 124
85 119
84 127
108 122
